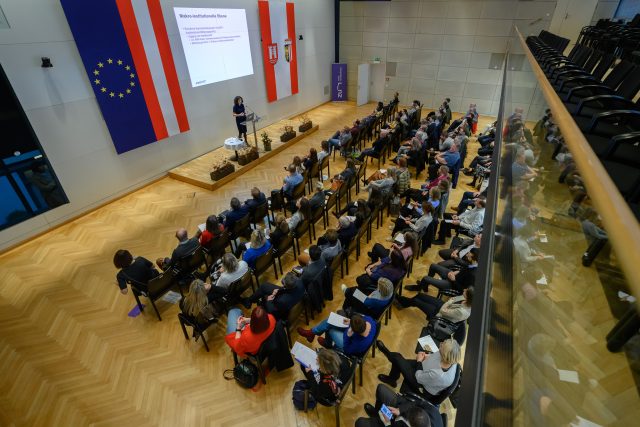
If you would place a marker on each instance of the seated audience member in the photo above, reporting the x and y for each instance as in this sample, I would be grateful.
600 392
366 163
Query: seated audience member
457 277
353 339
406 413
139 270
417 219
392 268
358 211
197 302
257 199
340 139
324 152
346 231
281 229
184 248
520 171
403 176
297 162
469 199
407 249
326 384
278 300
237 212
374 304
258 246
230 271
376 148
383 182
344 177
291 181
319 198
456 309
449 158
525 253
443 174
246 334
302 211
314 268
455 255
432 372
310 159
213 230
330 246
469 221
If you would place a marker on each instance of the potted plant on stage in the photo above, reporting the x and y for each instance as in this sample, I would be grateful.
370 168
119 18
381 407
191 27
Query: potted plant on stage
266 141
287 133
247 155
220 169
305 123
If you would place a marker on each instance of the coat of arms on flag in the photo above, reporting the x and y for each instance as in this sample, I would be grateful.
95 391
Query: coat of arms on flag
273 53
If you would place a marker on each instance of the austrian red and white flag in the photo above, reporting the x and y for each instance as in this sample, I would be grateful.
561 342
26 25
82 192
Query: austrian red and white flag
278 30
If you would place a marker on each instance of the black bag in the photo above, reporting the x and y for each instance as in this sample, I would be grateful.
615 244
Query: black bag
245 373
297 395
440 329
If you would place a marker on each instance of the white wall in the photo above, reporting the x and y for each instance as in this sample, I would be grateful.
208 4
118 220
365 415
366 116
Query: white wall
442 47
61 106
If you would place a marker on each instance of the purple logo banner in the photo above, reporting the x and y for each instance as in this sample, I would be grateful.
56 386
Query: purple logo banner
338 82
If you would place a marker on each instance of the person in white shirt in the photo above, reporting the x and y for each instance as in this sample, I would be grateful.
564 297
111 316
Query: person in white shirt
469 221
230 271
432 373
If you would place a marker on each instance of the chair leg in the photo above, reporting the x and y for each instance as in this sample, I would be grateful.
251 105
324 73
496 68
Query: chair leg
140 306
360 384
156 308
275 268
204 341
261 370
337 415
235 358
280 263
184 330
306 400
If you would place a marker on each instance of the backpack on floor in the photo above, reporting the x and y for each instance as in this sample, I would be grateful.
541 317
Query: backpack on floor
297 395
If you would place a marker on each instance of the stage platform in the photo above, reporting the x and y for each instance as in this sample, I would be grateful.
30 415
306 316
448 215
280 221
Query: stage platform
197 171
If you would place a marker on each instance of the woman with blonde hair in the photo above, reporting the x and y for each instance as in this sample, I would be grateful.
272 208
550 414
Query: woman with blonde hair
432 372
196 302
374 304
326 385
280 230
258 245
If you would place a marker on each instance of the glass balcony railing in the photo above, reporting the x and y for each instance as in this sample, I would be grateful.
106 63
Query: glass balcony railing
556 342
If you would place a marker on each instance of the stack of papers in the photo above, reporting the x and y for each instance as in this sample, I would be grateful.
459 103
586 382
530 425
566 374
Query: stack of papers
306 356
338 321
171 297
359 295
202 227
399 238
568 376
428 344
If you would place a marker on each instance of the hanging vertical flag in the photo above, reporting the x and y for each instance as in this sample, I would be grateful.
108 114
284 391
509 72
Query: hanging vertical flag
125 50
279 51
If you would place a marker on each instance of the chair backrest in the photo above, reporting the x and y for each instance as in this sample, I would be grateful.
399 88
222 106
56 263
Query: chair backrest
162 283
331 200
313 170
191 262
630 85
264 261
298 190
259 213
285 243
238 286
316 214
350 247
440 397
618 74
335 263
294 313
217 246
323 165
603 66
241 226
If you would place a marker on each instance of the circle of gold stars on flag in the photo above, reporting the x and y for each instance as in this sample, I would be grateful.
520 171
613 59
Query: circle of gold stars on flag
109 91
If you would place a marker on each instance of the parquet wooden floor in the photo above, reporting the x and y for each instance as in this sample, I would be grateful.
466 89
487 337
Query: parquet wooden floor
70 356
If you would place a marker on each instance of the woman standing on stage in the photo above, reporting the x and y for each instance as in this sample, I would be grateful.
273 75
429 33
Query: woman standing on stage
239 114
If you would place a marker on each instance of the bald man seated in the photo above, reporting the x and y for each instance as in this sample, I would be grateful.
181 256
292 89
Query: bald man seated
185 246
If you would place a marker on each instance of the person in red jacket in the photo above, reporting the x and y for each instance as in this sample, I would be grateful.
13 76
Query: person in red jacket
246 335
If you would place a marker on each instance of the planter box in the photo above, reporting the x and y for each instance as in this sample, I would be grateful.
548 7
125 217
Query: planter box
305 127
221 172
246 158
287 136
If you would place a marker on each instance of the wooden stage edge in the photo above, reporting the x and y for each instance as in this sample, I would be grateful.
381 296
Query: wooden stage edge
214 185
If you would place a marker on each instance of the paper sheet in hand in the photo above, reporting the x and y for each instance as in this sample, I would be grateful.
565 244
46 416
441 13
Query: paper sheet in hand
399 238
448 221
542 280
568 376
171 297
338 321
383 171
428 344
584 423
247 245
543 238
202 227
359 295
305 355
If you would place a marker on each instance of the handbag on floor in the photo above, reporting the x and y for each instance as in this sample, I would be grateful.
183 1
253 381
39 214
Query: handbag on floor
245 373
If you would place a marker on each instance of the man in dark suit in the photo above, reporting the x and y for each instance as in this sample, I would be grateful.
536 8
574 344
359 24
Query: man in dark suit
184 248
257 198
278 300
414 414
458 278
346 231
455 254
315 268
237 212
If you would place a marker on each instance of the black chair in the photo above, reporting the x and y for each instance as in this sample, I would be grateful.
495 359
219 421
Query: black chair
298 191
286 243
362 231
240 228
360 176
331 202
359 360
292 318
347 380
312 173
236 289
217 247
188 266
324 164
155 289
263 262
298 233
258 214
257 359
346 252
198 329
314 216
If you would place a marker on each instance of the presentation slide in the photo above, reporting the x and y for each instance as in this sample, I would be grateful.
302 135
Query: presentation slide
215 43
